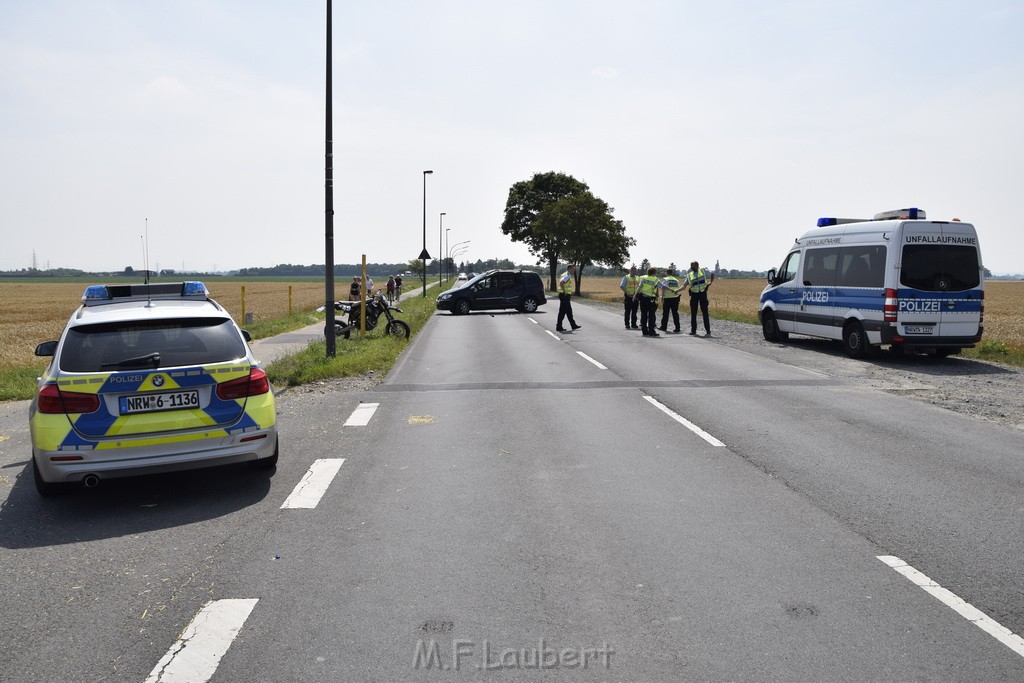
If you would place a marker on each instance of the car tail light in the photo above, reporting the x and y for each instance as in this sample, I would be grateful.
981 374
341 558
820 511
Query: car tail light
253 385
890 306
53 400
981 318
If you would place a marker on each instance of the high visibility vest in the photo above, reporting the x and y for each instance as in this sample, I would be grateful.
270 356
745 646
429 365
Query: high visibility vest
698 281
649 286
565 283
632 282
670 281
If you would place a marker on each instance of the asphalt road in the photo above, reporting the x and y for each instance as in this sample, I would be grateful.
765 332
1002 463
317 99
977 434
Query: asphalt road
591 506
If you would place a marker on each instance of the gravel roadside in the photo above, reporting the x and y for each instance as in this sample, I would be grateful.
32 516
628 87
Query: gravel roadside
985 390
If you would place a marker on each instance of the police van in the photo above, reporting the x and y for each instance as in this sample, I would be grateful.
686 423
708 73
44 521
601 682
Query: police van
897 280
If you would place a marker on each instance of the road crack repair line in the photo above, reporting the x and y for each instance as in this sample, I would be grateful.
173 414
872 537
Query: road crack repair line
957 604
196 654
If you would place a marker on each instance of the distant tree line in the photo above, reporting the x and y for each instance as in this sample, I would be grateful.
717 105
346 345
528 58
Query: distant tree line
374 270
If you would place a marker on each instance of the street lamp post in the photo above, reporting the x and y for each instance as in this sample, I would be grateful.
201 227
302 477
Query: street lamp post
440 254
460 248
423 254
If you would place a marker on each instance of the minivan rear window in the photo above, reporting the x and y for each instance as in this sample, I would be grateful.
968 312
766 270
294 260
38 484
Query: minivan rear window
940 267
150 344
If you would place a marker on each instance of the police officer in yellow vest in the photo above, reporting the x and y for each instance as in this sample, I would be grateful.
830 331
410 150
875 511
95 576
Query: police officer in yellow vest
697 281
565 287
647 295
629 285
670 300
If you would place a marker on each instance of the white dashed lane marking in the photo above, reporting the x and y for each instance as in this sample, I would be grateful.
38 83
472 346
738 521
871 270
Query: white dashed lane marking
958 605
683 421
204 642
314 483
603 367
360 417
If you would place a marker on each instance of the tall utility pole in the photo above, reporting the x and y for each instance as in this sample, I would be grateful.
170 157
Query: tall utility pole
329 206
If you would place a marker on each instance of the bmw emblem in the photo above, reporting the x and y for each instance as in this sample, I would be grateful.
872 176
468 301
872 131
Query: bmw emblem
158 381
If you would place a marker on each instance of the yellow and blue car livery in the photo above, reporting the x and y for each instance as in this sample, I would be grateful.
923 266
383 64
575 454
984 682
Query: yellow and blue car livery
90 425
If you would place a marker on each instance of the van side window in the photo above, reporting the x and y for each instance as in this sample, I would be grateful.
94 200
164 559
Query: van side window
820 267
862 266
789 267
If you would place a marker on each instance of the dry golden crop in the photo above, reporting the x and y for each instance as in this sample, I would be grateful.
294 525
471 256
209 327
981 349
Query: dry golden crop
34 312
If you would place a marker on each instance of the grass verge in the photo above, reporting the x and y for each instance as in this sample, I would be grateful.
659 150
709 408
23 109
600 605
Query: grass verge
376 352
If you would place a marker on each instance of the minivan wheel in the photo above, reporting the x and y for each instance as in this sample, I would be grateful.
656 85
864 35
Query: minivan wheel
855 341
463 307
770 328
529 305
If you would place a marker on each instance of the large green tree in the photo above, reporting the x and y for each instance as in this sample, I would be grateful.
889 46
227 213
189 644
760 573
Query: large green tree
586 231
526 200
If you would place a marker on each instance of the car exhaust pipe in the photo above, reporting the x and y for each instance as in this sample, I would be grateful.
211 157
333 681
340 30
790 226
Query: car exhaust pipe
91 481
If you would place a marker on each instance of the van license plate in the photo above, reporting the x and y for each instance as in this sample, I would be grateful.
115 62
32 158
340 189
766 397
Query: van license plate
917 329
150 403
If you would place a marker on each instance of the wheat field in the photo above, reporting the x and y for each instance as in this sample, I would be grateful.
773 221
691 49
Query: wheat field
35 312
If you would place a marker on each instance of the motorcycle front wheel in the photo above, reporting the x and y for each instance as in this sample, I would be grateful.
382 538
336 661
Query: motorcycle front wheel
398 329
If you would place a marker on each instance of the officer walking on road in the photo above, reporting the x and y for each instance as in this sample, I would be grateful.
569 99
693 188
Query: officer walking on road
697 281
629 284
565 287
670 300
647 295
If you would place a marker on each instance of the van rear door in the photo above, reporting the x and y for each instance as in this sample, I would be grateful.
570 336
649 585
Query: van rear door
940 288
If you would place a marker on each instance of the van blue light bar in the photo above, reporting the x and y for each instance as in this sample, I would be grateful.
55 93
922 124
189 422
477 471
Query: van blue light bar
828 221
912 213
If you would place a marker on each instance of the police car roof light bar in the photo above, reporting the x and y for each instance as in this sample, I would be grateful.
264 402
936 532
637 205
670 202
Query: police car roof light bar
106 294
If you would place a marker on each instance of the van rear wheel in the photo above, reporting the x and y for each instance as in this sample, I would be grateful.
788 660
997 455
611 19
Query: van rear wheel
770 328
855 340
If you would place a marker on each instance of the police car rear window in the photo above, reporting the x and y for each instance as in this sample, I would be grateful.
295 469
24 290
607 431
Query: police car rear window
940 267
150 344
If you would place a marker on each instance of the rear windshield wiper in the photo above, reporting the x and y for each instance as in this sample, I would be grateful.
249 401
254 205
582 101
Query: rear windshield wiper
150 359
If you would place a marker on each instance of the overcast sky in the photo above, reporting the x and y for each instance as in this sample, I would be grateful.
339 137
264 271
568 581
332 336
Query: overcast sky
718 130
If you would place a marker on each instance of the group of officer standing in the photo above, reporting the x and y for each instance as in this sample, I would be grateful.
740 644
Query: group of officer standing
643 292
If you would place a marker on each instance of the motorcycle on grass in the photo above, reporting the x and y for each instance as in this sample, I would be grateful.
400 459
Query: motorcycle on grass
377 308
